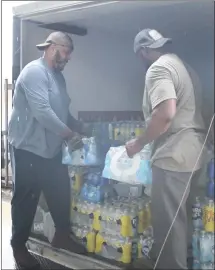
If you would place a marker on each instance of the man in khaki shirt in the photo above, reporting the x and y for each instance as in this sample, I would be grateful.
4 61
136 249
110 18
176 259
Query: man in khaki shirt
171 107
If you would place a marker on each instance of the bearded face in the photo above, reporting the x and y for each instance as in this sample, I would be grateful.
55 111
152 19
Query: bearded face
61 56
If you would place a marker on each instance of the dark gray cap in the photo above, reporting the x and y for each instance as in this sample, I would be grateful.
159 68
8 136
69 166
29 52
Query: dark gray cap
58 38
149 38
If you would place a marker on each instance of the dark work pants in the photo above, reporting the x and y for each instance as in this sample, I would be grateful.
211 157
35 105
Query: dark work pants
33 174
167 191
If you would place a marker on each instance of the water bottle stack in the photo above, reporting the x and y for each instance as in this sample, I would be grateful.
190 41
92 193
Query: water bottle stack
122 131
116 133
125 229
113 224
87 196
113 227
203 224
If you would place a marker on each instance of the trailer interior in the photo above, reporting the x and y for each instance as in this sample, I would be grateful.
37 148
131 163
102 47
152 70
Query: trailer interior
104 77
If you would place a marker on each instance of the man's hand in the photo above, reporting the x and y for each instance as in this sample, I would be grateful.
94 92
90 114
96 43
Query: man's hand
75 143
133 147
157 125
67 134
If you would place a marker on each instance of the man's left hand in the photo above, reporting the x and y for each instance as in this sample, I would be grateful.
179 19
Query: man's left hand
133 147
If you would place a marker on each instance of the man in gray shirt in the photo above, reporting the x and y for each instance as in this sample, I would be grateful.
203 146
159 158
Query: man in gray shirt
175 127
39 124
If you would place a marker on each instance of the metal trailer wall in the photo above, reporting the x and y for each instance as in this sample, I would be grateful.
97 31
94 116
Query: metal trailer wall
101 73
104 69
104 73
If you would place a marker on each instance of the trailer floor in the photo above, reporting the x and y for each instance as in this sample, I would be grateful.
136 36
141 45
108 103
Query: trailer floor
7 261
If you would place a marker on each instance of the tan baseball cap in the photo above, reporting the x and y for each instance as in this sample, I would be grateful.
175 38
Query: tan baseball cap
57 38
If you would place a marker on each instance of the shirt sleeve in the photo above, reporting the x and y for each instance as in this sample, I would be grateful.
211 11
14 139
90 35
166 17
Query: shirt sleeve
159 85
35 86
74 124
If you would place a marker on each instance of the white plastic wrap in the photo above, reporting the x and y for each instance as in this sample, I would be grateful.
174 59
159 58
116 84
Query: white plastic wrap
86 156
136 170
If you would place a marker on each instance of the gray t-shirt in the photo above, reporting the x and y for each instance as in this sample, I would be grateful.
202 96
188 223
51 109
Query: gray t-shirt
40 110
179 147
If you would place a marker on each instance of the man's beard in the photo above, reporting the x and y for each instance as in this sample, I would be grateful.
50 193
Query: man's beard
60 64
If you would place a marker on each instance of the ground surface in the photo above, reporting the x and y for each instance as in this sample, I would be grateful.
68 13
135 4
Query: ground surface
7 255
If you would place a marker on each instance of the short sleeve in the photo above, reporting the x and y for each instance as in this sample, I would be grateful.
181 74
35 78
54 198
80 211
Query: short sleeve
159 85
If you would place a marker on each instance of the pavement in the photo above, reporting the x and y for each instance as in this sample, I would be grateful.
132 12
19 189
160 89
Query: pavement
7 255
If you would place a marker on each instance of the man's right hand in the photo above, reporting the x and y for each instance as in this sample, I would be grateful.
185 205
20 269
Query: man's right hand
75 143
68 134
73 139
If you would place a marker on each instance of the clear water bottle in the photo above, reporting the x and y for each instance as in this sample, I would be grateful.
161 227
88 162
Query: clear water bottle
84 191
117 216
205 254
104 217
117 134
127 131
196 244
207 266
132 130
211 247
134 220
197 214
110 131
92 157
111 225
211 266
196 265
123 131
145 243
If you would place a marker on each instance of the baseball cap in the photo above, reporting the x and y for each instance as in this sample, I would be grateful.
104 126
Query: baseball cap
44 45
56 38
149 38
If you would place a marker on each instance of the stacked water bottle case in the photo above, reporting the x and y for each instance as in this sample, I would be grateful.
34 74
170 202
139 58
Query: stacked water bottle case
104 135
203 224
111 226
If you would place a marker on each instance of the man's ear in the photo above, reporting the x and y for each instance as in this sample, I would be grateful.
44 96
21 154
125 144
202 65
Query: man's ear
145 52
53 49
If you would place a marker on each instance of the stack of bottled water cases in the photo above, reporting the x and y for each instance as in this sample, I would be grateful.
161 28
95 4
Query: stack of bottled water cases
116 228
203 224
125 231
88 191
125 130
118 131
104 135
